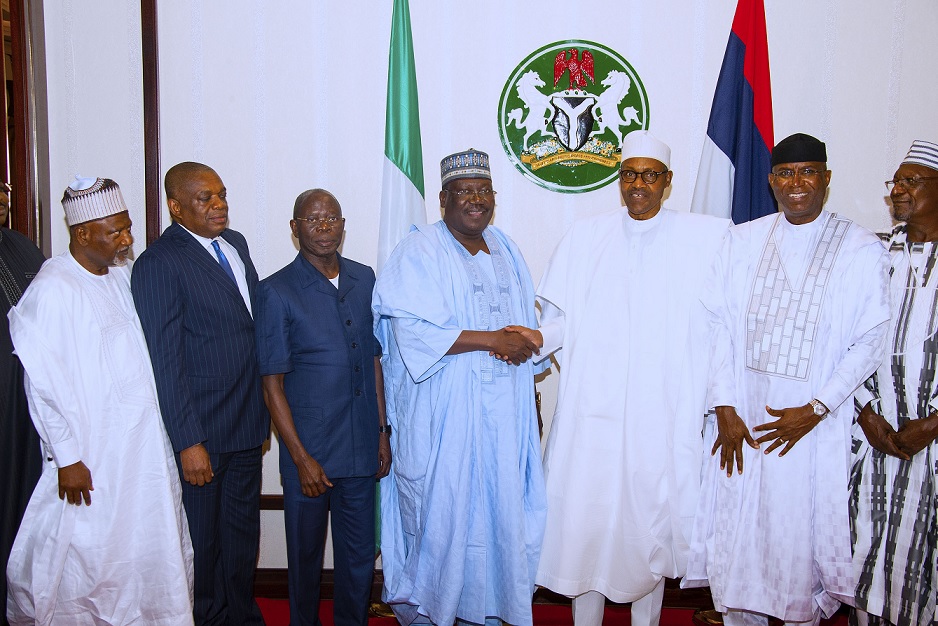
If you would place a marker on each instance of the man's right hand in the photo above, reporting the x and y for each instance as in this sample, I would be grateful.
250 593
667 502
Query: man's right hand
879 432
533 334
196 465
75 483
512 346
731 432
313 479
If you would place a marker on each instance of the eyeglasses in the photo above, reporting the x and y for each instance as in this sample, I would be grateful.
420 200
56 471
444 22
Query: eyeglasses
468 193
628 176
329 222
804 172
908 183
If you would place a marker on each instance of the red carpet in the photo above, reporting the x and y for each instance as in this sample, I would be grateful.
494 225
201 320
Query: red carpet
277 613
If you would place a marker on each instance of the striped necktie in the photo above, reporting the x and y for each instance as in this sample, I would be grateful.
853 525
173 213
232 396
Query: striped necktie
223 261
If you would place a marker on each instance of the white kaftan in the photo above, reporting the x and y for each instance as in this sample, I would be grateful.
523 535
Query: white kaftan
797 312
623 455
893 501
126 558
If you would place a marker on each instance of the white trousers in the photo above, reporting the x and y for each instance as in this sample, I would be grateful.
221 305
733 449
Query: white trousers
588 608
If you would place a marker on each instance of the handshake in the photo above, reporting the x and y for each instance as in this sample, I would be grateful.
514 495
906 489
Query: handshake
516 344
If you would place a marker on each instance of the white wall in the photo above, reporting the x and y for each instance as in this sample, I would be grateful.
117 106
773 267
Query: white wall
282 96
95 102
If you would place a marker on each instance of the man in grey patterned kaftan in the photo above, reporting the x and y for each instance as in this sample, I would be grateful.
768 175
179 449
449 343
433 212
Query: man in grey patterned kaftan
893 482
798 311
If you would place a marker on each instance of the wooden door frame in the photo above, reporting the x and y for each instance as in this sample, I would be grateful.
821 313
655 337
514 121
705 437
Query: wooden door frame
151 117
24 159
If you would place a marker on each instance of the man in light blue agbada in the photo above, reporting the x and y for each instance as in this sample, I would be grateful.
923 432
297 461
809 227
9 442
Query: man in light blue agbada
463 509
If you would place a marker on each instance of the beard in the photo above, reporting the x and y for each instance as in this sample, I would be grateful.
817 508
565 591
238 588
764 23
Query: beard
121 258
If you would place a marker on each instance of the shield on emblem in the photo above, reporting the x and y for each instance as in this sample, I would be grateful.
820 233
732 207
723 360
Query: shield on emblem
573 119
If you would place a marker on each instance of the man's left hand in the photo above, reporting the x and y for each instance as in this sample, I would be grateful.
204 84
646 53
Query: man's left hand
792 424
915 435
384 455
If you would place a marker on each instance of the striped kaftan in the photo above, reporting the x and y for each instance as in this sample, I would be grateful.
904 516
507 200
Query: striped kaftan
893 501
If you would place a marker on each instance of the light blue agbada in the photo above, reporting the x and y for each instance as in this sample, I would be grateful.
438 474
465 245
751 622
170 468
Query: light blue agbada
463 509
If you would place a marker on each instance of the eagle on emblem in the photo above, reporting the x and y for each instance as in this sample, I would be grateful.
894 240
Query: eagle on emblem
576 66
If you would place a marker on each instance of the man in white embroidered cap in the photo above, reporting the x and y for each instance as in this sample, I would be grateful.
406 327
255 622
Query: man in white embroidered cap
799 310
462 510
117 550
893 479
621 296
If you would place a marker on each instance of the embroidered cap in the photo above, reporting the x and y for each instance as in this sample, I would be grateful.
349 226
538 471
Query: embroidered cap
642 144
923 153
88 199
799 148
471 163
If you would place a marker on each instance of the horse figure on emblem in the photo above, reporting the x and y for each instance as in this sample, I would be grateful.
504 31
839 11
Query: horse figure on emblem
617 87
537 104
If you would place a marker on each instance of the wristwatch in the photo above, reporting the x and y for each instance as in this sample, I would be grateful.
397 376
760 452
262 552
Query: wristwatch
387 429
819 409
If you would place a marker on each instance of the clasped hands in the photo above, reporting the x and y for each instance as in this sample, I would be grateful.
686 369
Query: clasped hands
516 344
904 443
792 424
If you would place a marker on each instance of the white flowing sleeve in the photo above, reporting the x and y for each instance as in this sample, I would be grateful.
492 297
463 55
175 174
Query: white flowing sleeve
53 428
551 327
48 389
866 309
867 393
45 327
553 293
721 388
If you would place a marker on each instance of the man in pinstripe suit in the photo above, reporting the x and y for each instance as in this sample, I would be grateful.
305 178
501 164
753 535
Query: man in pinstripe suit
193 288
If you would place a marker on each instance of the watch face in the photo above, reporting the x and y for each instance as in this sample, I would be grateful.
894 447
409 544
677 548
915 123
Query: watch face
818 408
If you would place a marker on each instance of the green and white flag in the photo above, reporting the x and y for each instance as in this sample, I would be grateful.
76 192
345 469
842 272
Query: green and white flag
402 192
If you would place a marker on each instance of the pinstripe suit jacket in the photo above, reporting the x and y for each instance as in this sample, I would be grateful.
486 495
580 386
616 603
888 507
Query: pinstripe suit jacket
201 341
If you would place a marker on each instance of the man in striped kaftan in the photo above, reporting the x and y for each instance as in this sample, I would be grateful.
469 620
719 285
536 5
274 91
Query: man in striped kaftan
892 501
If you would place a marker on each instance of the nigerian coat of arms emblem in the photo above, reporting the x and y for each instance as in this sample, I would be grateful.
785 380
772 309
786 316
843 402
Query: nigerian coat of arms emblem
564 111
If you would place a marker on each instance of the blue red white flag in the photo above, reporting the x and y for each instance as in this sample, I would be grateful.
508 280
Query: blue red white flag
733 177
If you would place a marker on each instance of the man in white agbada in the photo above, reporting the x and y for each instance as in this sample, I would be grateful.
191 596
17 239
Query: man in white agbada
118 551
623 457
798 310
894 482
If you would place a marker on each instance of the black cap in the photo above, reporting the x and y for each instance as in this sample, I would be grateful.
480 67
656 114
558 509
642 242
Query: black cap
799 148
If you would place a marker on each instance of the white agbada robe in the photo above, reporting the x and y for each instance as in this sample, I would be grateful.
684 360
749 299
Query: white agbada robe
623 455
776 540
126 558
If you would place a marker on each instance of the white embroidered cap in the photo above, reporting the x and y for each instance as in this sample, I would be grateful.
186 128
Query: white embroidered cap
642 144
88 199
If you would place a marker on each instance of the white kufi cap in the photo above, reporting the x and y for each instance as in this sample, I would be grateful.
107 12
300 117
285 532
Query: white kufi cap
642 144
89 199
